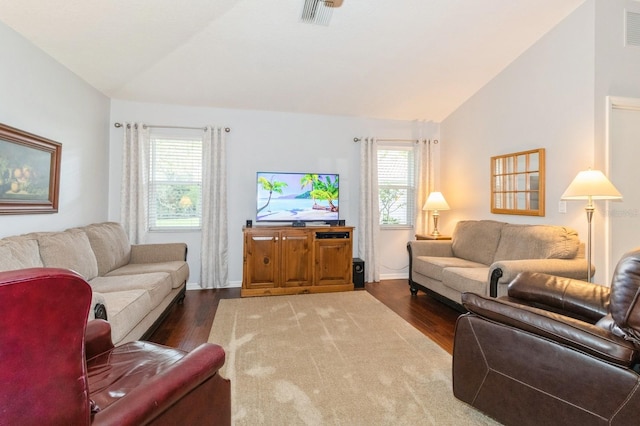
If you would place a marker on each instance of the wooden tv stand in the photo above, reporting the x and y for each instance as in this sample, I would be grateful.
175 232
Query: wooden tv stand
293 260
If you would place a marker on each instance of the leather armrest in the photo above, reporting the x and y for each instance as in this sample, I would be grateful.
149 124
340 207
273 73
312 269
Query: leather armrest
97 338
143 403
564 330
563 295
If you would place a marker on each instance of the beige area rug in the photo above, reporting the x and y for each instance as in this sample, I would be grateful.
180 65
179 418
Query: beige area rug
333 359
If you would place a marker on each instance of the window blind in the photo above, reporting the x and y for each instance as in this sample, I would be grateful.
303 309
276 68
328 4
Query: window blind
175 183
396 185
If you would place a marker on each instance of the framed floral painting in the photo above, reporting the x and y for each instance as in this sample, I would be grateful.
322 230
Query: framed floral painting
29 172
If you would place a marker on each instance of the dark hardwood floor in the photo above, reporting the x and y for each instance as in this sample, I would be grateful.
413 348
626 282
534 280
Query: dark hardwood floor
188 324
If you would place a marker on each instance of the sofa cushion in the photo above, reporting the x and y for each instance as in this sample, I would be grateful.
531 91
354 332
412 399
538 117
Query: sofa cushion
157 284
476 240
177 269
19 254
125 309
537 242
474 280
432 266
110 245
70 250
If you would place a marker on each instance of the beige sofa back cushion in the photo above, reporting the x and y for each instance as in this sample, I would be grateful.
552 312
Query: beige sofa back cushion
537 242
70 250
19 254
476 240
110 245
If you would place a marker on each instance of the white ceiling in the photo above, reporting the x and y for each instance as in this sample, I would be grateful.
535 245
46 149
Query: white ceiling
395 59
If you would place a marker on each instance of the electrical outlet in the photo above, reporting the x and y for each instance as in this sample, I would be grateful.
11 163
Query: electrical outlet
562 207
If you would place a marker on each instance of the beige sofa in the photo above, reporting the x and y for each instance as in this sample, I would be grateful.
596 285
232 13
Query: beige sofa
483 257
133 285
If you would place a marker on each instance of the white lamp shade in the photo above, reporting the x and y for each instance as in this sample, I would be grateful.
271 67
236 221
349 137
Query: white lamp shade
435 201
591 184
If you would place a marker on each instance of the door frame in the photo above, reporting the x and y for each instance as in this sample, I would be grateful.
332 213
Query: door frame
613 103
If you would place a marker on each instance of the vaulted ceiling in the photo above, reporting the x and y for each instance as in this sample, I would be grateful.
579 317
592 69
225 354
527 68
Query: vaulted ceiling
398 59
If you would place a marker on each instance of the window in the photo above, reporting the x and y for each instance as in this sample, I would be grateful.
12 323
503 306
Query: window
396 185
175 182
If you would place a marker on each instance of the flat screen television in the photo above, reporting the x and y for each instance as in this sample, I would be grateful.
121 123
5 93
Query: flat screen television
291 197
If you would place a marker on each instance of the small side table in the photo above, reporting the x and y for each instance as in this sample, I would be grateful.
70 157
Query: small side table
432 237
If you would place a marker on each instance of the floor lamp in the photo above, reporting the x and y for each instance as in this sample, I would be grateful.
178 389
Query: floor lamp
435 202
591 185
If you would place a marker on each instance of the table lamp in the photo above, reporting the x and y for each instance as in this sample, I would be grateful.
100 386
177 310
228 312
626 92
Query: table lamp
435 202
590 185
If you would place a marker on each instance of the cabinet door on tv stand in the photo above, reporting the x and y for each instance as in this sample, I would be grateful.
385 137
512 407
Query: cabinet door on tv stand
262 259
296 258
334 262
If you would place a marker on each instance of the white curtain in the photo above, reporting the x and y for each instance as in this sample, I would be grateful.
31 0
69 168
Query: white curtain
134 190
369 218
214 247
423 185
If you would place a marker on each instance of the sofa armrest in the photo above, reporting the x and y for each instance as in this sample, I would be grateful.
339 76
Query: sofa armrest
503 272
158 253
97 338
585 337
438 248
160 392
563 295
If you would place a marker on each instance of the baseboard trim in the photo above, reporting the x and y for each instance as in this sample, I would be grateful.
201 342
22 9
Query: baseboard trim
196 286
396 276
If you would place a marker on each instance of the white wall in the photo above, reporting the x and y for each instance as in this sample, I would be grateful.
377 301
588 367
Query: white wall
544 99
617 66
617 74
270 141
552 97
40 96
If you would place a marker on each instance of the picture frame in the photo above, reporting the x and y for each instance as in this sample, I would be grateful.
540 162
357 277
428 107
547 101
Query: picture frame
29 172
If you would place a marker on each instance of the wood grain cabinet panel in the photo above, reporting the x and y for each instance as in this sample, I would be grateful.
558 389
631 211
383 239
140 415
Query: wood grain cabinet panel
286 260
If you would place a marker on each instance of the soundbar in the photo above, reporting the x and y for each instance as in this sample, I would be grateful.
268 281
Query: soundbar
331 235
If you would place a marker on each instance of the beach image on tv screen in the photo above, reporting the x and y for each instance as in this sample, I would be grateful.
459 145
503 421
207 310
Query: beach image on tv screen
288 197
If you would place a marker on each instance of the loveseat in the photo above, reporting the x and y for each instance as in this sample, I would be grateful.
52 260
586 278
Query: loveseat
133 286
483 256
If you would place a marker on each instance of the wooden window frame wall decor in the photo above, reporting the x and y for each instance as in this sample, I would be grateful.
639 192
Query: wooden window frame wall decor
29 172
518 183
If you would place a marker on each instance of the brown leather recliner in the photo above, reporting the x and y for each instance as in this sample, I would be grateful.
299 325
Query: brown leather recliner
554 351
56 369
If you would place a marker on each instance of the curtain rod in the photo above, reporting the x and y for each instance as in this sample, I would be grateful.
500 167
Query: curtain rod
435 141
118 125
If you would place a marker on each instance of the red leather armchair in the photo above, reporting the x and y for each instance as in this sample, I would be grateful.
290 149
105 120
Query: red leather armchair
56 369
554 351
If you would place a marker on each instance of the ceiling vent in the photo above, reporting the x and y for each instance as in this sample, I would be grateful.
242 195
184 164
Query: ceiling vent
318 11
632 29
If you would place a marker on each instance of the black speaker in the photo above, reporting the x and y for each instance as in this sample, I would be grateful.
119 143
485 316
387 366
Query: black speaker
358 272
249 223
